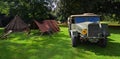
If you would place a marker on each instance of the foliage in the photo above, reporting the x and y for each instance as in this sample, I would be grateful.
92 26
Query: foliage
4 8
29 9
105 7
42 9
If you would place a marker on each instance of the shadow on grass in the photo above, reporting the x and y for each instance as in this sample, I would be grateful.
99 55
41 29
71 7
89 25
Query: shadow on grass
57 46
110 39
112 49
114 30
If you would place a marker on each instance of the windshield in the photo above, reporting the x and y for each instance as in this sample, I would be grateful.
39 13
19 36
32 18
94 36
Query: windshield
87 19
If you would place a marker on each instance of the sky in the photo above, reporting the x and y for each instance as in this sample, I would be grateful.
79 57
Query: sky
52 3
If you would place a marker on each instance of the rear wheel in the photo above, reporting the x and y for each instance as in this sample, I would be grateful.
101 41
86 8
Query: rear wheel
102 42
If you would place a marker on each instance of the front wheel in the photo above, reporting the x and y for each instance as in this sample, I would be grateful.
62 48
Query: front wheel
102 42
74 41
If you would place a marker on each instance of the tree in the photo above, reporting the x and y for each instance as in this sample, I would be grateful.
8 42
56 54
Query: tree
105 7
28 9
4 8
68 7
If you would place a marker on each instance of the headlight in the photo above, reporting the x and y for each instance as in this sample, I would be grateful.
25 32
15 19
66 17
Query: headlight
84 31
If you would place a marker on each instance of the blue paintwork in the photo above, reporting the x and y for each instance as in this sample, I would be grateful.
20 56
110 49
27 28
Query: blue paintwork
85 19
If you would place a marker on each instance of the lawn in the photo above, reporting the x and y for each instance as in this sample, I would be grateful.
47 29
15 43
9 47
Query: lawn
56 46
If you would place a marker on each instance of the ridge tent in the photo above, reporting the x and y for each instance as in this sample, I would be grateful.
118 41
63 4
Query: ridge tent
48 25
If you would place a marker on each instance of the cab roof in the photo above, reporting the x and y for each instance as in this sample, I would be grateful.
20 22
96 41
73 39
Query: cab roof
84 15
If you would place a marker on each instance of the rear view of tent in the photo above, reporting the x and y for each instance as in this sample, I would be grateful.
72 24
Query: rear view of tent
16 25
53 25
48 25
42 27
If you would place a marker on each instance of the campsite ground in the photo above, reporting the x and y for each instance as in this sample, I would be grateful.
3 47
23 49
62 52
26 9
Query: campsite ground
56 46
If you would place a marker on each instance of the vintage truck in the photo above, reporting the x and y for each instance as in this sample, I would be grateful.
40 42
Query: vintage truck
87 27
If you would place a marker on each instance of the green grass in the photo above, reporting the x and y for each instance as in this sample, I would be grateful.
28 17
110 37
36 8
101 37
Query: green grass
57 46
111 23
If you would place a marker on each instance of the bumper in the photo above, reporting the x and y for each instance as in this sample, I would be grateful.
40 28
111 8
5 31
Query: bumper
93 37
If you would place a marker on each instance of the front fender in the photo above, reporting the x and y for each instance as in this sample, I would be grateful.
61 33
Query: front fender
106 34
73 33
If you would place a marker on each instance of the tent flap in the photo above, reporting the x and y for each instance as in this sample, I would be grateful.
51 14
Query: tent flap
47 25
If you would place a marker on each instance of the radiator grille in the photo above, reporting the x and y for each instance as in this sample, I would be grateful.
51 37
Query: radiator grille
93 30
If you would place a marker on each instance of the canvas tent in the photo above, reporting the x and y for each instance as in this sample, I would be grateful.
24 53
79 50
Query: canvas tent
53 25
42 26
47 25
16 25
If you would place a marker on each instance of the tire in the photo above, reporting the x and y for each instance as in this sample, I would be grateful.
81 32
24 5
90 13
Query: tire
74 42
102 42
